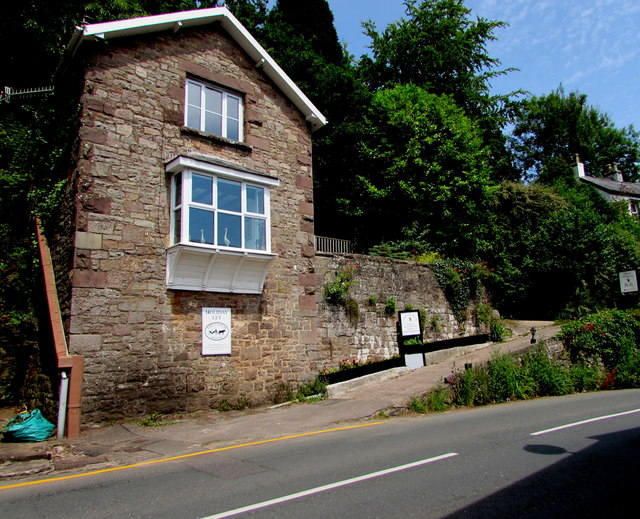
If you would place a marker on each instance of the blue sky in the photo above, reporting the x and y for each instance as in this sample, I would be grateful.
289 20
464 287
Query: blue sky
592 46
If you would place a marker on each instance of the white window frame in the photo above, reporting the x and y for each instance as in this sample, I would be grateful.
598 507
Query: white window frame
226 97
182 201
211 267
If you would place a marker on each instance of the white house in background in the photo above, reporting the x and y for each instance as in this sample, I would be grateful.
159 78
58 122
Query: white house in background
612 188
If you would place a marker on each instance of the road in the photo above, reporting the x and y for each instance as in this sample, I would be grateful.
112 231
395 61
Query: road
500 461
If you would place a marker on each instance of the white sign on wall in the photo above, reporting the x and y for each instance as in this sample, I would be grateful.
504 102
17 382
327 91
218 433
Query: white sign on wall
216 331
409 323
628 281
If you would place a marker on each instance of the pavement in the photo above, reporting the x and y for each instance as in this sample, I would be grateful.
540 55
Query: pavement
349 403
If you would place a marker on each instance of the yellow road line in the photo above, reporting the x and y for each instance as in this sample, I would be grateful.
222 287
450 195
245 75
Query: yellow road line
183 456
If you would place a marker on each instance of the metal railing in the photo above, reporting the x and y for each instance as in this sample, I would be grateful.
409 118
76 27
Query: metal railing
333 245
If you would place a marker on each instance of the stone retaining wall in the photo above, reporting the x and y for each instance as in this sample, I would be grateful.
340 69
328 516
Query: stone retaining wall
373 335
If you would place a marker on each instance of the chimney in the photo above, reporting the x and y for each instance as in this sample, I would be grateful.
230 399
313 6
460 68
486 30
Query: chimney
579 168
617 174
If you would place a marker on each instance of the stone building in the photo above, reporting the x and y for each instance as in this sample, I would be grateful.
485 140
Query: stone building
191 277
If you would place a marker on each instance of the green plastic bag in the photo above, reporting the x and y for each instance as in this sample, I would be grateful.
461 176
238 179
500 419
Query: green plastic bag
27 427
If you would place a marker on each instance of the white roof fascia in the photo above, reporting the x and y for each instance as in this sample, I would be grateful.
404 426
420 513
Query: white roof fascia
197 17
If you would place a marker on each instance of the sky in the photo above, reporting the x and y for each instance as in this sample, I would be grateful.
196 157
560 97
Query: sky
589 46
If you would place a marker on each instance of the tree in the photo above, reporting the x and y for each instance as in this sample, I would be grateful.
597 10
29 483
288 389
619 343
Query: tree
557 250
424 163
440 48
550 130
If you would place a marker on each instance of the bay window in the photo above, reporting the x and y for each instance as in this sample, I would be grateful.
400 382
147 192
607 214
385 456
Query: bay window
215 211
220 226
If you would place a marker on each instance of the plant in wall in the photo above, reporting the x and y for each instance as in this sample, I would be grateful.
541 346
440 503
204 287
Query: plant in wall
460 282
436 323
390 306
336 290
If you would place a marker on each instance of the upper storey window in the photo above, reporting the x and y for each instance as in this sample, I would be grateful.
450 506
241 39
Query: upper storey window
213 110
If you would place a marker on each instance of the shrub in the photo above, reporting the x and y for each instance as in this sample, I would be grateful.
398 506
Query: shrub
336 290
503 378
544 375
317 386
586 377
390 306
417 405
610 336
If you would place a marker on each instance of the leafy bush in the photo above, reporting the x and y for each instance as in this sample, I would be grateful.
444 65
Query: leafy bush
336 290
544 374
609 337
460 282
586 377
437 400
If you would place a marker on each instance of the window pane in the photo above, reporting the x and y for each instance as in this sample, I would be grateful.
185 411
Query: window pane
233 107
193 117
200 226
177 190
229 230
213 101
229 195
177 225
213 123
255 199
255 234
193 94
233 130
202 189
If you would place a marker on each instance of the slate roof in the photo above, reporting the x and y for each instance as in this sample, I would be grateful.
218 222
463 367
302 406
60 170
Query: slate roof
613 187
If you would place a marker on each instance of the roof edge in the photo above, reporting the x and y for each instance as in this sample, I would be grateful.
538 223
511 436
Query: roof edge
197 17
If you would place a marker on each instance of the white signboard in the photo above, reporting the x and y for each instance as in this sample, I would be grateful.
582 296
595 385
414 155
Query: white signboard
628 281
409 323
216 331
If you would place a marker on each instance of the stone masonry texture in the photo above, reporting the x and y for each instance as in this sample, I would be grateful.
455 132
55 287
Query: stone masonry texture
141 341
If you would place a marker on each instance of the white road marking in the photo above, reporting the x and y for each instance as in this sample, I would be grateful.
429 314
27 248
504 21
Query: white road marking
330 486
575 424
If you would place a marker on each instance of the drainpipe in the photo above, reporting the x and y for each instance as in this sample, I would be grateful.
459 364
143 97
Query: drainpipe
73 365
62 403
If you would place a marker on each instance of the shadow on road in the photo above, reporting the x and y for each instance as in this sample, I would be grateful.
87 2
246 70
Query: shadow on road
599 481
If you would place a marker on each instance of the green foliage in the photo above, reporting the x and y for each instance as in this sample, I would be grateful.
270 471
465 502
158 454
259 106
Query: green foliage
461 282
587 376
336 290
557 250
424 161
390 306
498 330
536 374
317 386
550 130
610 337
437 400
156 419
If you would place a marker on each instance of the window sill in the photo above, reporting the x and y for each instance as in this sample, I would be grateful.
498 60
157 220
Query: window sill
190 267
186 130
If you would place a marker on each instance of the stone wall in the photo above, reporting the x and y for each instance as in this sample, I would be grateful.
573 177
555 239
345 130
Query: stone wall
373 335
141 341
